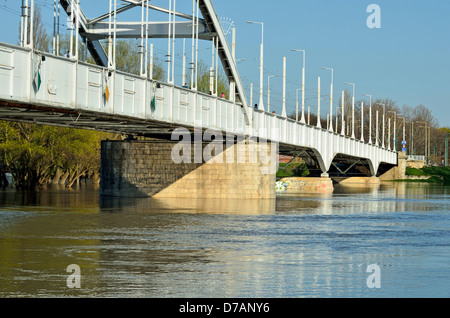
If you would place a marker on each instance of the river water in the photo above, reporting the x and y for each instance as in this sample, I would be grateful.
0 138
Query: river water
294 246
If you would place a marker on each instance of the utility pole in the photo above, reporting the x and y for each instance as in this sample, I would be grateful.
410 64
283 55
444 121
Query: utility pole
370 118
302 119
429 142
353 109
261 65
331 98
319 125
446 151
342 113
426 142
404 134
283 111
362 121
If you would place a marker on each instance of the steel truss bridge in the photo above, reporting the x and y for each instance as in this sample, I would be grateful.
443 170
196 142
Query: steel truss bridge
45 88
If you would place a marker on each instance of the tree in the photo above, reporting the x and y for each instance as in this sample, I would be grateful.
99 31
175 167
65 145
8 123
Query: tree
33 153
79 152
128 59
204 77
25 151
41 41
416 117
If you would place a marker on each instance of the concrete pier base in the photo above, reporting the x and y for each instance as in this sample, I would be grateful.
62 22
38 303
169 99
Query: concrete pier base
398 172
147 169
308 185
359 181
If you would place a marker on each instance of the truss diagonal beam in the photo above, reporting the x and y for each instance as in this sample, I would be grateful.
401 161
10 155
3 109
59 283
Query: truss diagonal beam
224 52
94 30
94 46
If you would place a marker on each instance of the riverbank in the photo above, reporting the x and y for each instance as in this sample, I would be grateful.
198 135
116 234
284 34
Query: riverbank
440 175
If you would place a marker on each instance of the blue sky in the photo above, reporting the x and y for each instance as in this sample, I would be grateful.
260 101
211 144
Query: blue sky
407 59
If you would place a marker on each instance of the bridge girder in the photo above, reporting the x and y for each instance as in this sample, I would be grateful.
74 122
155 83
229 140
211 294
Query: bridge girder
131 30
210 28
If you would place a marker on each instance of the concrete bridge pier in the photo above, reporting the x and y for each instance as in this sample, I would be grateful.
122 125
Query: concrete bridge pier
165 168
398 172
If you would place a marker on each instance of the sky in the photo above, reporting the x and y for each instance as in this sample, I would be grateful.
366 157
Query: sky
407 59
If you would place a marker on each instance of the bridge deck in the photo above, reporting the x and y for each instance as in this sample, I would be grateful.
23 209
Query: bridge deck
72 93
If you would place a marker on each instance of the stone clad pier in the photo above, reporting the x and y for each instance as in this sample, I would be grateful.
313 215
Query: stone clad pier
146 168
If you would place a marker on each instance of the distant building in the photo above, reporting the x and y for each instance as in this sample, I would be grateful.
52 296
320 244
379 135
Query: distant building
286 159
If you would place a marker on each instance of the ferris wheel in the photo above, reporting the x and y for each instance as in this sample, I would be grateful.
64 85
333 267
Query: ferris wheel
227 24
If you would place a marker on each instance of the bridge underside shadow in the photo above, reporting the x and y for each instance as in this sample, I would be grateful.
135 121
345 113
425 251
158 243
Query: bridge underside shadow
342 167
346 166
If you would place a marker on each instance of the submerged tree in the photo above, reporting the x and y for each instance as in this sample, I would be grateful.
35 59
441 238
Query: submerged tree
25 154
33 153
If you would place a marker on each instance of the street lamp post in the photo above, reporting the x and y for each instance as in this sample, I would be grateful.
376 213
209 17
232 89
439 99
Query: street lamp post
389 134
337 109
446 151
376 129
362 121
296 103
395 131
370 118
426 133
268 91
429 142
319 125
384 115
342 114
251 94
308 114
302 119
404 134
261 66
353 109
283 111
331 97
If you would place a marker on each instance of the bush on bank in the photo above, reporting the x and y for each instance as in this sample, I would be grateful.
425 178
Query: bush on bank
438 174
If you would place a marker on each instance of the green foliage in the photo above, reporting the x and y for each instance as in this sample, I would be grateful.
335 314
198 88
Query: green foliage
32 153
437 174
442 173
128 59
293 170
414 172
445 130
203 82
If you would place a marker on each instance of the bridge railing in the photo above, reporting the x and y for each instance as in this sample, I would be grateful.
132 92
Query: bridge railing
71 84
43 79
416 157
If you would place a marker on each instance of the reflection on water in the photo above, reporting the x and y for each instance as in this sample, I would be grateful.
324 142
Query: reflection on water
294 246
186 205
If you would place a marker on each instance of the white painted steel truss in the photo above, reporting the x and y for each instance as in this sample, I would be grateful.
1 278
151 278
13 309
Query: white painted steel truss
74 94
191 26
